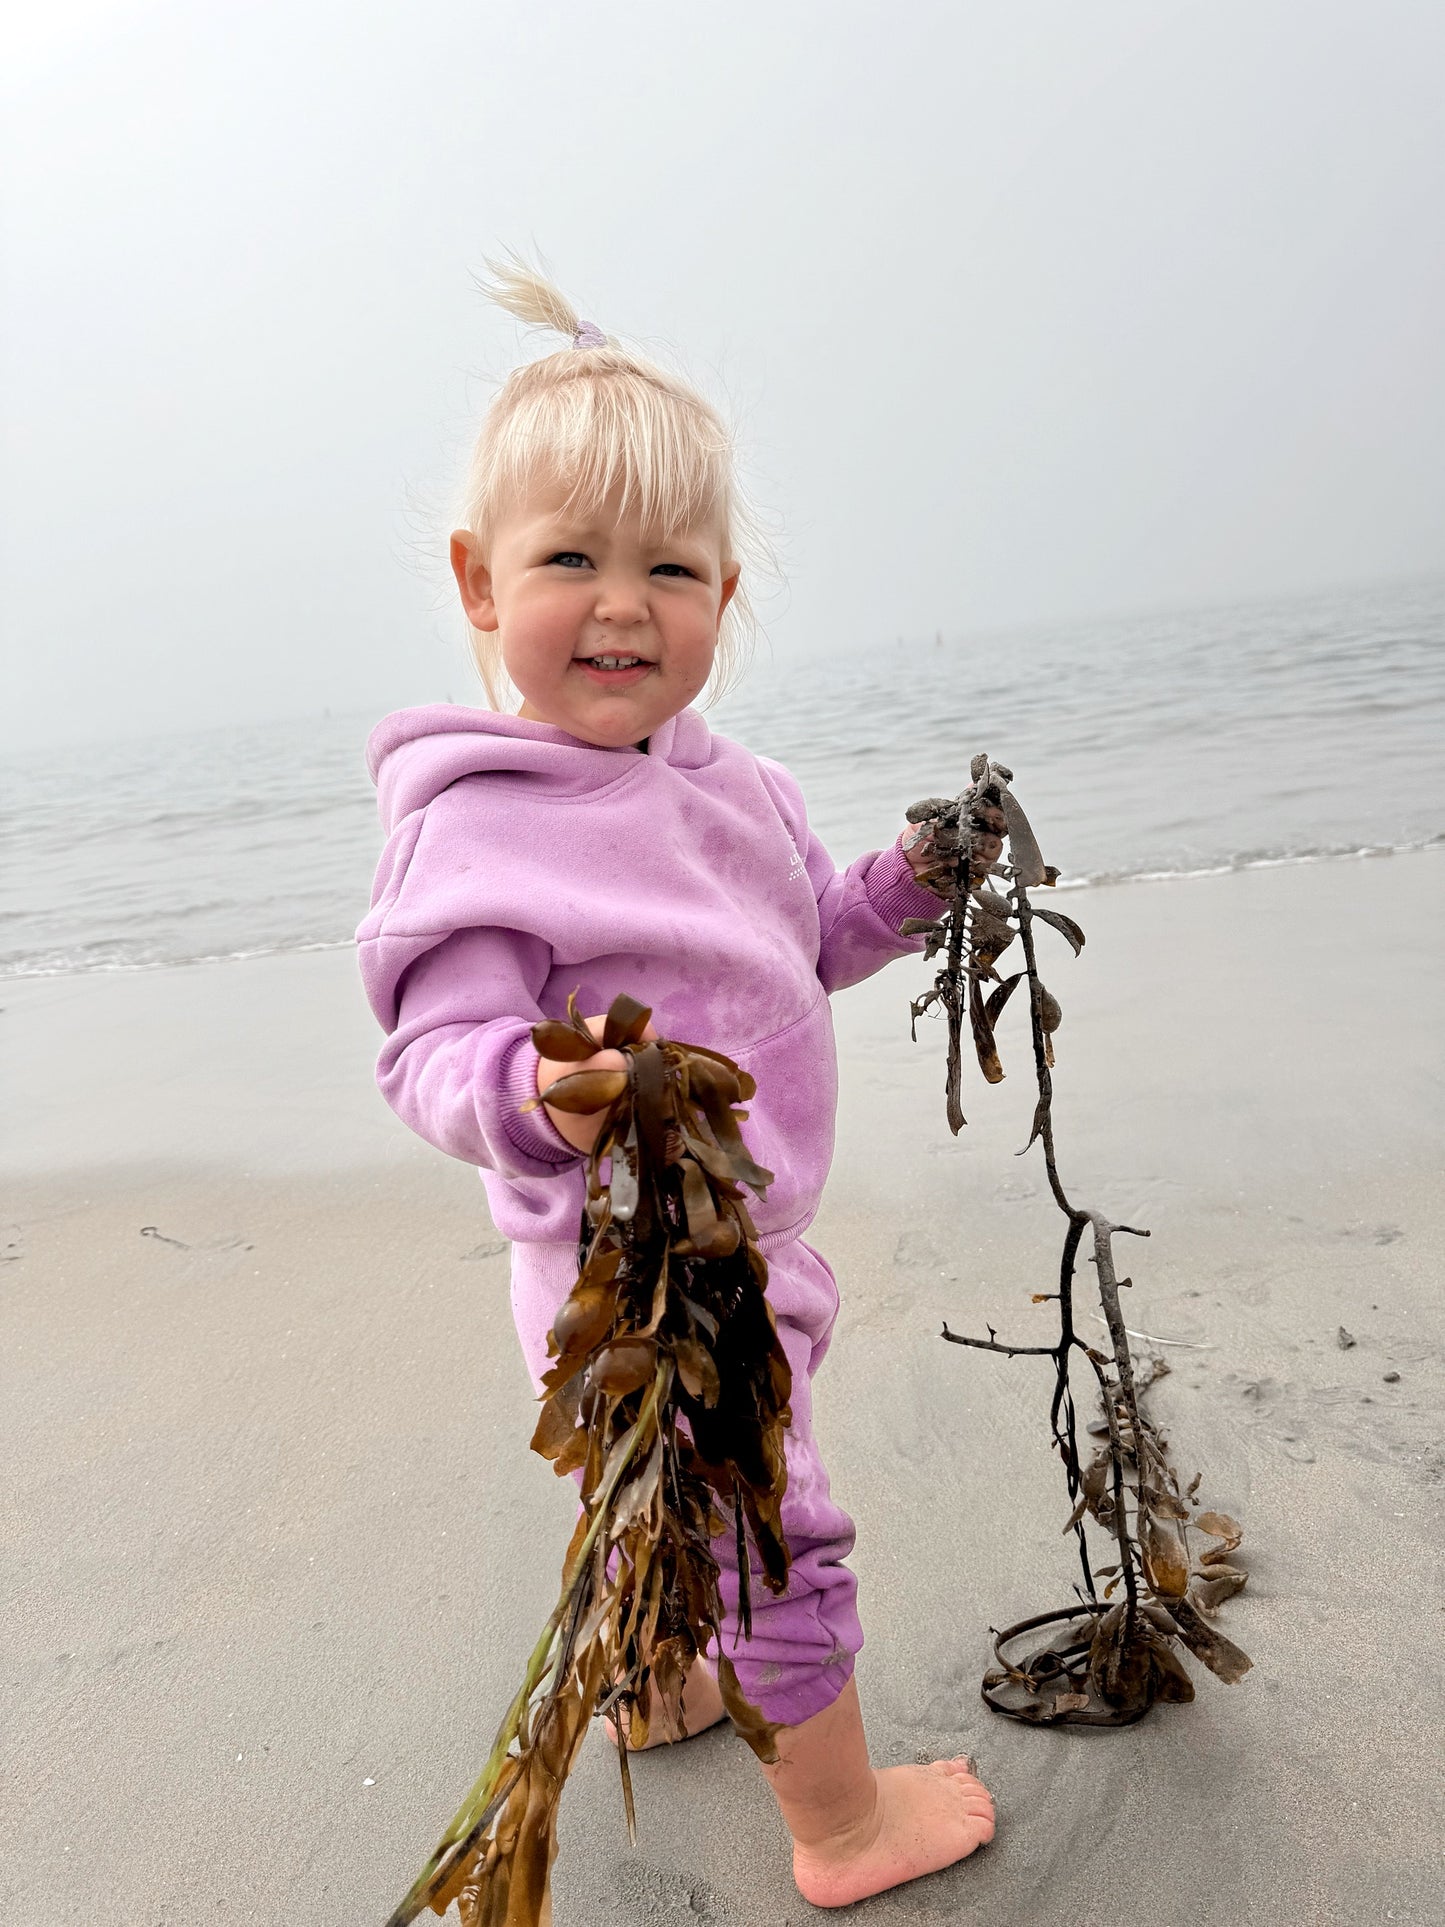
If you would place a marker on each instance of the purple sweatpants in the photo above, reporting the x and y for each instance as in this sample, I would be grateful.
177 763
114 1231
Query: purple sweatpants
800 1655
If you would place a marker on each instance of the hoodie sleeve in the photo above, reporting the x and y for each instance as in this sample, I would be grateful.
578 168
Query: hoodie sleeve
860 908
458 1005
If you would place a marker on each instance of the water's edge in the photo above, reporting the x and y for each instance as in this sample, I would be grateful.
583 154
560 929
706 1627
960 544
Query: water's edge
1110 881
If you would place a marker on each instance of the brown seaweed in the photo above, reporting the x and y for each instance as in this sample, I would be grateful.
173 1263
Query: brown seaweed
1103 1661
668 1393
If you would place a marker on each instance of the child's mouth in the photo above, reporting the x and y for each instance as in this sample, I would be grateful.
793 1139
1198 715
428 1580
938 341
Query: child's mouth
614 671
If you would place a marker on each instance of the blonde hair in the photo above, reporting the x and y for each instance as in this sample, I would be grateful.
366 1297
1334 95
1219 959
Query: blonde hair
607 425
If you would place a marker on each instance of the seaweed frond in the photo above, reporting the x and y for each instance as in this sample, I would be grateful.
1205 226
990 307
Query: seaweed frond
668 1394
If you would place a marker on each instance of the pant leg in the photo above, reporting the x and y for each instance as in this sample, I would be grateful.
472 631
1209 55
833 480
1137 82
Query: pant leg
803 1645
542 1279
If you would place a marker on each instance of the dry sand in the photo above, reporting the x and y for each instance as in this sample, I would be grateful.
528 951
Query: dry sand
276 1549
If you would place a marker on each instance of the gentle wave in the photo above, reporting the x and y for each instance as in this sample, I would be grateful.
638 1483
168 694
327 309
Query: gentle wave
70 967
1233 866
61 967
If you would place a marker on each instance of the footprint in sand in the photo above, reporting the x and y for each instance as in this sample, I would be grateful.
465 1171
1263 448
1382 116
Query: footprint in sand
663 1895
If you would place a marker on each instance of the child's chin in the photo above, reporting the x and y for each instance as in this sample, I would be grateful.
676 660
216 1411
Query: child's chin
608 719
618 731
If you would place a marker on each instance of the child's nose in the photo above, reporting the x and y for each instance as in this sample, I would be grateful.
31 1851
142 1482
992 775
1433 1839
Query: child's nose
621 598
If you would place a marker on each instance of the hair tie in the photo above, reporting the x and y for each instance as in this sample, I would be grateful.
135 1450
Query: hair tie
589 335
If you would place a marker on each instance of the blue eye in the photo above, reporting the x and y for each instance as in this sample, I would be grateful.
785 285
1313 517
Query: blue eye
671 568
569 559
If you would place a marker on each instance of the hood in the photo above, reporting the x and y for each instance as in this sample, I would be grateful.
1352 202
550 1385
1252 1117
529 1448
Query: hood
415 754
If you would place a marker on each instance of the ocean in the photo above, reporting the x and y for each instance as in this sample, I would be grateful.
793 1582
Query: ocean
1175 745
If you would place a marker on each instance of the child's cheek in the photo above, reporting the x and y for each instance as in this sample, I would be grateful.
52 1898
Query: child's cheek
540 639
702 639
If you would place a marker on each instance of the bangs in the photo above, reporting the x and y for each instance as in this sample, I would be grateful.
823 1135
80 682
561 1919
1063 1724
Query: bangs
608 435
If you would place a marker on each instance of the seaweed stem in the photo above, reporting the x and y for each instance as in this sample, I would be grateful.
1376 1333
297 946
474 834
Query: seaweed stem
1125 1662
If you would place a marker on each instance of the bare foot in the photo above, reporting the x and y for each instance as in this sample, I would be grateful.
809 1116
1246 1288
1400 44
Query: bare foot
924 1818
702 1706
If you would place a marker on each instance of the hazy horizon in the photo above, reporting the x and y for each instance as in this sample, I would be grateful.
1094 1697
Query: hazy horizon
464 687
1023 323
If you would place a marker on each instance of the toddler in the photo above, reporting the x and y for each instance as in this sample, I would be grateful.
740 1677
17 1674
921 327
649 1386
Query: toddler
602 839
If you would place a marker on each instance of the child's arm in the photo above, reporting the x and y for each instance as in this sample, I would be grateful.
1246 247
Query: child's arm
458 1063
860 908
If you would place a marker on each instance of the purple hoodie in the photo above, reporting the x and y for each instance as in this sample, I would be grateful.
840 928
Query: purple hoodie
522 864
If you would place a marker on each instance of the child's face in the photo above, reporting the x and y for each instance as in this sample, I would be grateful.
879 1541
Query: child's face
606 627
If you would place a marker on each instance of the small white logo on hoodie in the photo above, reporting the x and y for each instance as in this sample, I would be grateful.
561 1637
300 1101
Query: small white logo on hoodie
798 869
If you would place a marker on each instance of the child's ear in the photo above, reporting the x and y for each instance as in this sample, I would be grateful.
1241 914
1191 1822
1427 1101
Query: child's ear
729 588
474 580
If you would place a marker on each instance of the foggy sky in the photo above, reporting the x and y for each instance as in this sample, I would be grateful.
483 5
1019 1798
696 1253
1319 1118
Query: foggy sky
1027 311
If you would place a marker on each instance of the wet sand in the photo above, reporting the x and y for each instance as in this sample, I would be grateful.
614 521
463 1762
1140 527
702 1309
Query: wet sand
276 1550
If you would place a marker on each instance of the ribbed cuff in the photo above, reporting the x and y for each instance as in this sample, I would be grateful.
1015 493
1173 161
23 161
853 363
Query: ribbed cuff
531 1132
895 893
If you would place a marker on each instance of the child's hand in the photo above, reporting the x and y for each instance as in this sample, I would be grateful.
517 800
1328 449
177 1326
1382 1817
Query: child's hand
938 872
580 1130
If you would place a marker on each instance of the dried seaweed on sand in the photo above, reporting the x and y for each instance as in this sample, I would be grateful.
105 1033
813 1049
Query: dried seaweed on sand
668 1394
1105 1660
